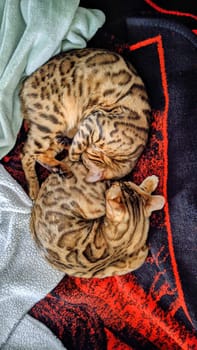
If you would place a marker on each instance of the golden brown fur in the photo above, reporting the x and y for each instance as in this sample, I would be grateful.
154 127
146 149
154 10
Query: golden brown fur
93 230
93 96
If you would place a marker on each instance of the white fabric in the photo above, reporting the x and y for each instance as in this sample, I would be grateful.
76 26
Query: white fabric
25 277
31 334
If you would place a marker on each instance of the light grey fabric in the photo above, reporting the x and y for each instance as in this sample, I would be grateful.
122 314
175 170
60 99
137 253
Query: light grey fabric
31 32
25 277
32 335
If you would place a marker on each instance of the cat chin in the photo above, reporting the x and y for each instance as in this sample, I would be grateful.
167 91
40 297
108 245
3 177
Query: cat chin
94 176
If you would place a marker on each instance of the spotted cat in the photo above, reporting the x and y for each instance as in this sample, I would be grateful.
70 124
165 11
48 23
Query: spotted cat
94 97
93 230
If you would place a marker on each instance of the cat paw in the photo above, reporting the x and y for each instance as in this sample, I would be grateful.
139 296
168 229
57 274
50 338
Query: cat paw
62 170
63 140
55 169
65 175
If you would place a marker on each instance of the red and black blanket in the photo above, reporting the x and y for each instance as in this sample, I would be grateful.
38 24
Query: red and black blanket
154 307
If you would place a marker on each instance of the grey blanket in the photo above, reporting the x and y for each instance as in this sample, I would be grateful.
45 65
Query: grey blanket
25 277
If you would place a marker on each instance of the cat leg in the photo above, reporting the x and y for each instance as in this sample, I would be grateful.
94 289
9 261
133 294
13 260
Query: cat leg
43 150
28 163
64 141
49 161
84 146
82 138
54 157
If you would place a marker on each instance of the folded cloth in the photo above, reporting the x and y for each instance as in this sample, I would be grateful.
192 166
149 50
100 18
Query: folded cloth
31 334
25 277
31 32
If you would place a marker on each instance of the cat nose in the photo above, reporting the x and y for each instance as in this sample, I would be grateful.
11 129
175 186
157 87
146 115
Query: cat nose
115 188
115 185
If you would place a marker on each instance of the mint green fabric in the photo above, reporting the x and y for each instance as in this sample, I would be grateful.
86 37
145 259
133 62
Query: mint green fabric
31 32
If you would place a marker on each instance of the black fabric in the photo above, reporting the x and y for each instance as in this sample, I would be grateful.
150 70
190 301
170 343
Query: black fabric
180 48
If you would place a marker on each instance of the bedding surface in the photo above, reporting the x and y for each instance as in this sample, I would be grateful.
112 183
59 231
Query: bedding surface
154 307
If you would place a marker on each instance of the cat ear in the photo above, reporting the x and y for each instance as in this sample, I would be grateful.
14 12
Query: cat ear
154 203
114 204
94 175
149 184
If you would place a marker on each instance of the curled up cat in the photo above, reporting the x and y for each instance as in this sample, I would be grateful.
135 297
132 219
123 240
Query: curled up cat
97 99
93 230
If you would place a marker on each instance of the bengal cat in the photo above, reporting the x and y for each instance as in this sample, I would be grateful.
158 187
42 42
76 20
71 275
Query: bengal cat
93 230
93 96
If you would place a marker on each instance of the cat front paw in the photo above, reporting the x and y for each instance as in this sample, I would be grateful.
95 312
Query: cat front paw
64 140
62 170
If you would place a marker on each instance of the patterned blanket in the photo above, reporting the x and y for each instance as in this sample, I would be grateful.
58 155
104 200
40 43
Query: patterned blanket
155 306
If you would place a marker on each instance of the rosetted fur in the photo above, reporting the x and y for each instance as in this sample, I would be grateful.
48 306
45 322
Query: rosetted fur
93 230
93 96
